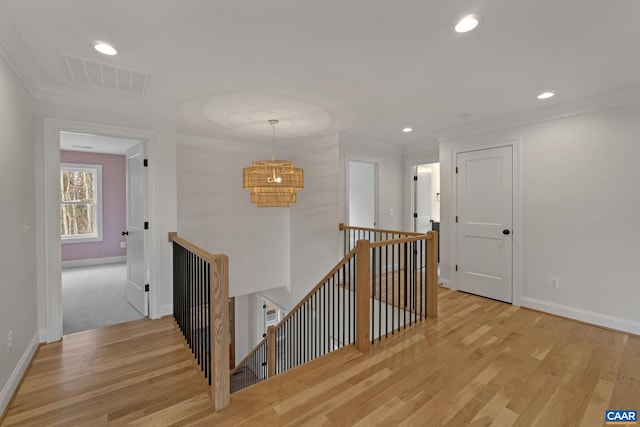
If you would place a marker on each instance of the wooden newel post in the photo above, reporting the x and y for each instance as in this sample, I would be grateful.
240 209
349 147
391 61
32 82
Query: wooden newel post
432 274
271 351
219 330
363 295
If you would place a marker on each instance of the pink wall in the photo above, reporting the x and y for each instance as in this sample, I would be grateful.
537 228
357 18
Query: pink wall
114 181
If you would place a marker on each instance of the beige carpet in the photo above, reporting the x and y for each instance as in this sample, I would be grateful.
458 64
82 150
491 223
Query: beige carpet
95 296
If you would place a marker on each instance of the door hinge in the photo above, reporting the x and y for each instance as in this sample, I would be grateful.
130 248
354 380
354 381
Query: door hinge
146 225
415 178
415 215
146 163
456 218
146 287
456 267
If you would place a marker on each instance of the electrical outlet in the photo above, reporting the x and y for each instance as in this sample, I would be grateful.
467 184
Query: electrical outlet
9 341
554 282
123 244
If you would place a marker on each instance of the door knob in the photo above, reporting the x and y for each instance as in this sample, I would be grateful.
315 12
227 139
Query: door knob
506 232
125 233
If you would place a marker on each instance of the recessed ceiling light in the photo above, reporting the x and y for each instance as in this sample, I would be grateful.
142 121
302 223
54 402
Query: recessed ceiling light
105 48
545 95
466 24
407 130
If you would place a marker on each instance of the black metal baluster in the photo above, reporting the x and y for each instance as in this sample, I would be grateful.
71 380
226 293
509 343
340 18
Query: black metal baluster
379 279
372 322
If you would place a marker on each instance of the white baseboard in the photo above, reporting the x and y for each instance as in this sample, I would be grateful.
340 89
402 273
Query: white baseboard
443 282
586 316
94 261
166 309
16 376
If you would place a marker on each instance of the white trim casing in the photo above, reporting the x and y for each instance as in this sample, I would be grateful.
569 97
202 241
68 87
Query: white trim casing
49 282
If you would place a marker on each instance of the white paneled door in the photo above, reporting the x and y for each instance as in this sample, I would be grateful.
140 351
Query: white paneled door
137 239
484 188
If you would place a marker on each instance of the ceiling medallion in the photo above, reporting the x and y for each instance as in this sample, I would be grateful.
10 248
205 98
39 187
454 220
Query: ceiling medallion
273 183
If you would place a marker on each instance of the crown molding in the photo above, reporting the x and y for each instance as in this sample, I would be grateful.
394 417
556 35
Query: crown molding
14 54
560 110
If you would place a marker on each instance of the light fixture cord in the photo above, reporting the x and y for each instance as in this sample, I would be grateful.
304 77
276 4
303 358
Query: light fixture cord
273 156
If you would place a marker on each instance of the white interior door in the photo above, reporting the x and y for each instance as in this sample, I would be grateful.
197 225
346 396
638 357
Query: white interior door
137 239
484 222
422 197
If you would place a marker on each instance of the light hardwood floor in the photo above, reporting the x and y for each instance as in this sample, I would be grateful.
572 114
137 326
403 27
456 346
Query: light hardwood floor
480 363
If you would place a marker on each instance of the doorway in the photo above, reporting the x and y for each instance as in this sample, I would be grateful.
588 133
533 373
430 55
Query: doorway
426 197
484 222
362 199
97 257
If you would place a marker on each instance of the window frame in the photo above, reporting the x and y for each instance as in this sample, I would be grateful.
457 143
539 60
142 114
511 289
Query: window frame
97 170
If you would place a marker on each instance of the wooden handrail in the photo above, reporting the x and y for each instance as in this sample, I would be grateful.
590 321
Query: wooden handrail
207 256
362 253
219 320
401 240
342 227
335 269
251 353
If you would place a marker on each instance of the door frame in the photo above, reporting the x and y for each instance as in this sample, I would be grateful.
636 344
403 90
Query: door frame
49 271
517 205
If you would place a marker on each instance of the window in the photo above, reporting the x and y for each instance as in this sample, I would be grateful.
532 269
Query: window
80 203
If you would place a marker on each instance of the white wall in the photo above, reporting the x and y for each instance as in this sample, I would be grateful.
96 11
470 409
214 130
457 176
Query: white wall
216 213
247 336
580 207
18 300
314 219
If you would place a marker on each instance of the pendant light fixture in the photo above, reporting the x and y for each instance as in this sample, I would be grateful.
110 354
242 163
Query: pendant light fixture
273 183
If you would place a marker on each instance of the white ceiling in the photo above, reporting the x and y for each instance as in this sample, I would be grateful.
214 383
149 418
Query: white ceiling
362 67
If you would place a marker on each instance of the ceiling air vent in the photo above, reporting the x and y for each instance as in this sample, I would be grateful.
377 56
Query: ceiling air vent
105 75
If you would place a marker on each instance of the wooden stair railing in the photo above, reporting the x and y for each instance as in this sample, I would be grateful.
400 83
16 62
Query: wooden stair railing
323 321
376 289
201 310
